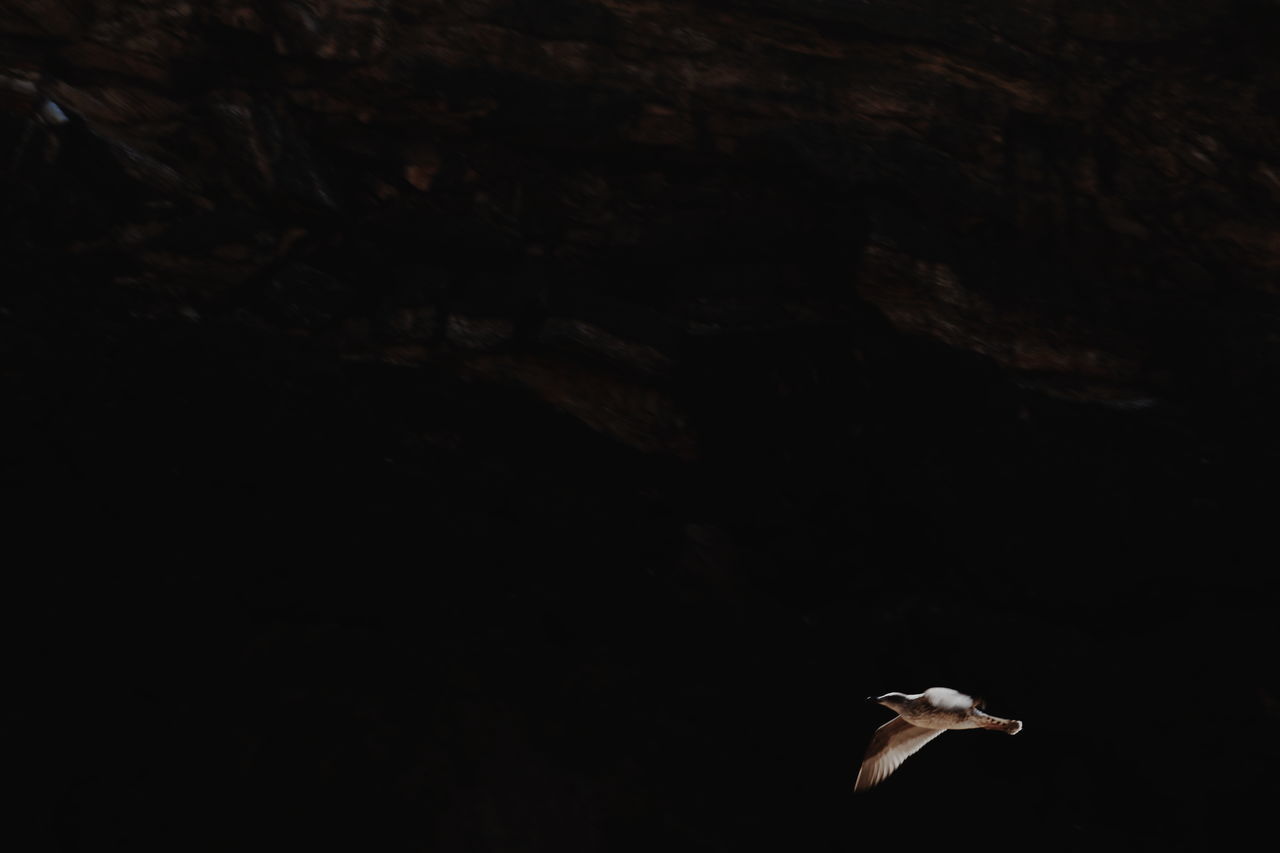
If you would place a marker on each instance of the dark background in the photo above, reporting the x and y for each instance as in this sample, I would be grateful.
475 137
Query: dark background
574 496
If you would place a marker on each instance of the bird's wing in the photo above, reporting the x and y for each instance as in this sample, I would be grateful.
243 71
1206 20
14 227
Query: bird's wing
946 698
892 744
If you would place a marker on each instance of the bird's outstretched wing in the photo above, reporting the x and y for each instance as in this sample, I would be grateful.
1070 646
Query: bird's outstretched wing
892 744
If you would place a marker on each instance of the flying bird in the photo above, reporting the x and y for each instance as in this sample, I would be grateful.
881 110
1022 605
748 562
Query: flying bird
921 718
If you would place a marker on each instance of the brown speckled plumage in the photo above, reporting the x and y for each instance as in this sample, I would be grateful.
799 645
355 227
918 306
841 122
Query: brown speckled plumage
921 718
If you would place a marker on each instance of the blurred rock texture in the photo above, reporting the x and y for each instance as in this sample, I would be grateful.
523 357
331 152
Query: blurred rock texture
732 308
1082 193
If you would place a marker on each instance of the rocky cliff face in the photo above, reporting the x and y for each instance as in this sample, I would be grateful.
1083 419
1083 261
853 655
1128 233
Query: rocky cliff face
725 310
1082 193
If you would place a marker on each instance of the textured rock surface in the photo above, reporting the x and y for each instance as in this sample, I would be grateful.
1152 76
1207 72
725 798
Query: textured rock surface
602 364
1084 195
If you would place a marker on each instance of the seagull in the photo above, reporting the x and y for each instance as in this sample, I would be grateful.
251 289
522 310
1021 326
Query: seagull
921 718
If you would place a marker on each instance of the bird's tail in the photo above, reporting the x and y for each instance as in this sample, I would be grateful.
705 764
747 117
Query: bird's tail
1002 725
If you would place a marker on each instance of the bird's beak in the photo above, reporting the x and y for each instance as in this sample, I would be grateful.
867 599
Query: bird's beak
872 699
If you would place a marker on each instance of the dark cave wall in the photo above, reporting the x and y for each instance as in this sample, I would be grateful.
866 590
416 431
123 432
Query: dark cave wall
1085 196
511 425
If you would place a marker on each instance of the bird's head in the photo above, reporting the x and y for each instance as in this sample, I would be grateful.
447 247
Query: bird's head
890 700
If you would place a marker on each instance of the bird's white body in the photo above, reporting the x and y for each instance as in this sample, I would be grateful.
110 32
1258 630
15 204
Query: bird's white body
945 697
921 718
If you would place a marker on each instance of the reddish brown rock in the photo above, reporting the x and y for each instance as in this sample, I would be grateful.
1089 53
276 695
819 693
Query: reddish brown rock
1056 189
